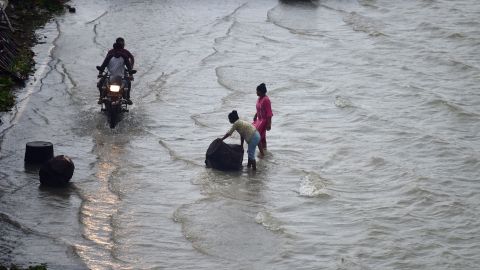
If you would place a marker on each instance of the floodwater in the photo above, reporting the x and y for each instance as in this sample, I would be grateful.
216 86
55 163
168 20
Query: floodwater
373 158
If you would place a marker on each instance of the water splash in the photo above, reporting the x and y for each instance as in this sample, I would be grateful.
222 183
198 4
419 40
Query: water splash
312 186
342 102
269 222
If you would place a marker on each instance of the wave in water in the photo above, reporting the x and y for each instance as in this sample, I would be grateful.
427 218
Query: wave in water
364 24
312 185
269 222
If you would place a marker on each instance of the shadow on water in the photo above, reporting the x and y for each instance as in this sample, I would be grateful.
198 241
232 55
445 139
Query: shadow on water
58 193
302 3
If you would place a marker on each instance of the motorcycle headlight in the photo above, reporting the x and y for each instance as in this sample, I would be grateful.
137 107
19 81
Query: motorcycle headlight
115 88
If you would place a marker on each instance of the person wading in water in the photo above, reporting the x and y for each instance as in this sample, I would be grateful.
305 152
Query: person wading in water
263 117
248 133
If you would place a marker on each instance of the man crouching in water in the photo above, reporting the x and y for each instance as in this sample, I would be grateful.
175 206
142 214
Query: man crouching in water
116 61
247 132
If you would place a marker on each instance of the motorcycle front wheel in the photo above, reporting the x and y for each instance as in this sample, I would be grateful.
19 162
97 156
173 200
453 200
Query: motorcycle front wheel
113 115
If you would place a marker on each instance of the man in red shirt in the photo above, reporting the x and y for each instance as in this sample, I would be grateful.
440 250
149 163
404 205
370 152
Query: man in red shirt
127 54
119 51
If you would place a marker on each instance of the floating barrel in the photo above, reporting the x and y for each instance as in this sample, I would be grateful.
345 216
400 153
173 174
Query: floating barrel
57 172
222 156
38 152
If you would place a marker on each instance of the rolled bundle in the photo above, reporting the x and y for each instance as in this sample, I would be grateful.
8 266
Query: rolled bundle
222 156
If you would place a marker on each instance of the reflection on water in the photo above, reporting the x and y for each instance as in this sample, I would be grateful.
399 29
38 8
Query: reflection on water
100 203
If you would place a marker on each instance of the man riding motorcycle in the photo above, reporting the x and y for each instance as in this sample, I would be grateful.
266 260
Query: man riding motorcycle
116 61
130 58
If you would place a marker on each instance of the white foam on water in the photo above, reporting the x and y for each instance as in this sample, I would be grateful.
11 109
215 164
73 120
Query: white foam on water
312 186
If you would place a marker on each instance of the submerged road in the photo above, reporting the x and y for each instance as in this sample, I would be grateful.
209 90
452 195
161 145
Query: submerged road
373 156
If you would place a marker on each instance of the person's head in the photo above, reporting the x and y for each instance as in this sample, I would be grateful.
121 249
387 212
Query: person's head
261 90
120 41
117 52
116 46
233 116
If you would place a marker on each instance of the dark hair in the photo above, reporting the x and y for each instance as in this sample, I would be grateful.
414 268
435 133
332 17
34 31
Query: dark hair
117 46
262 88
121 42
233 116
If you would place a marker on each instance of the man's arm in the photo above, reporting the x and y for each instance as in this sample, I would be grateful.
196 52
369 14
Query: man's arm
225 136
106 61
127 63
130 57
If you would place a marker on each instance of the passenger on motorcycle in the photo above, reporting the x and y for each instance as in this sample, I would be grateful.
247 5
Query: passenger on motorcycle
130 58
115 62
121 41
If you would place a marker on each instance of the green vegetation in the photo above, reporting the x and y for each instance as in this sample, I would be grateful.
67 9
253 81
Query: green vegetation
26 17
6 96
23 64
50 5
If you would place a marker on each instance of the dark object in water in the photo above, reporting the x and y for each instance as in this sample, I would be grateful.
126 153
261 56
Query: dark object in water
57 172
38 152
70 9
301 3
225 157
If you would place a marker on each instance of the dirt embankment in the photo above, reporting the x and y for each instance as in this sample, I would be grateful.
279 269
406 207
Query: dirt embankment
18 21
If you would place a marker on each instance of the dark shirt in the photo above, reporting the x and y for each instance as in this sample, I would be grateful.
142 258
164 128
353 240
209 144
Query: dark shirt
128 55
116 53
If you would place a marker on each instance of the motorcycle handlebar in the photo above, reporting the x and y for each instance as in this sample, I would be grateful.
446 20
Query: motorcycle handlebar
102 73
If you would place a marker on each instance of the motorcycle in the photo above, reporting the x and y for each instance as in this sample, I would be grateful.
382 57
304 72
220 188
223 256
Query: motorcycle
113 92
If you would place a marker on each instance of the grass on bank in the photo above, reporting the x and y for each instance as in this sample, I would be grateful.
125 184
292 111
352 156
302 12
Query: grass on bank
27 16
7 100
22 67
